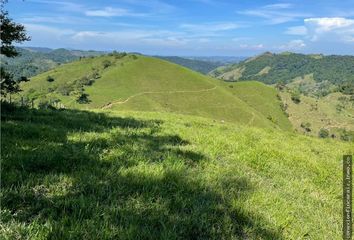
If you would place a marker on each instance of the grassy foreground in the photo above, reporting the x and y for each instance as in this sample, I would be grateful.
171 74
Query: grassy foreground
125 175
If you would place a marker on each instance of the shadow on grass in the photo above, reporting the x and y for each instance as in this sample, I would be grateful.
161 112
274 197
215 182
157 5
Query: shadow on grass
85 175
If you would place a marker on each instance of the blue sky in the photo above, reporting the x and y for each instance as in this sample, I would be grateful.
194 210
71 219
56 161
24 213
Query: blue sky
190 27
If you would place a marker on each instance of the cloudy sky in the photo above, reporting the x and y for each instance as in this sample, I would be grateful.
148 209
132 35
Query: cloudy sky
190 27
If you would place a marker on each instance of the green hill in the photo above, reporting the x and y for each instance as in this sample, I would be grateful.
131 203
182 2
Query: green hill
140 83
72 174
317 91
330 73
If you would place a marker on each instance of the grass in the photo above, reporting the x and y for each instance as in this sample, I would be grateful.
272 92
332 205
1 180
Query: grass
151 84
262 98
76 174
320 113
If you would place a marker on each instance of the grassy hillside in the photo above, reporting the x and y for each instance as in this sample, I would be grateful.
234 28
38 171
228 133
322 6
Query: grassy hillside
72 174
148 84
334 112
263 98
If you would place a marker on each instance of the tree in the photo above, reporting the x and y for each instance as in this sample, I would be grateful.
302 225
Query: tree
10 32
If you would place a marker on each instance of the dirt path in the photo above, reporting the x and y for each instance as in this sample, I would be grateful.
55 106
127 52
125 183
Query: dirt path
109 105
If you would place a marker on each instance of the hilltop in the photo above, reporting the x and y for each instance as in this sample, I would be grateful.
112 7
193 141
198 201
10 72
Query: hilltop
140 83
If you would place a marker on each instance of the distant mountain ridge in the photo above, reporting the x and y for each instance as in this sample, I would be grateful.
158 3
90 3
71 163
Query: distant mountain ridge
197 65
328 73
34 60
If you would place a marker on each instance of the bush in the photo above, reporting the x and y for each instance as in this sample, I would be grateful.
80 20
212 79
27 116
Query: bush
306 126
84 81
50 79
347 136
323 133
295 97
272 119
106 64
83 98
65 89
118 55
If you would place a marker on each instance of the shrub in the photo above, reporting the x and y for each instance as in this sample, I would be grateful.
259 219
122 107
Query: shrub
84 81
83 98
272 119
306 126
295 97
50 79
65 89
346 135
106 64
323 133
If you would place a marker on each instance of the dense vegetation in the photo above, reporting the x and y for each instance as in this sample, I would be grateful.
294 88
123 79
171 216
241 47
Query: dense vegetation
330 73
134 82
70 174
196 65
32 61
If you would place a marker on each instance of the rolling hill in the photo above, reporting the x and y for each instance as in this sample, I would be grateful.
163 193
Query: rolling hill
317 91
33 60
140 83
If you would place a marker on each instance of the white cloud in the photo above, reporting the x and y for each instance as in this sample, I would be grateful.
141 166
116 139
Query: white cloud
111 12
251 47
293 45
330 29
297 30
275 13
211 27
278 6
329 24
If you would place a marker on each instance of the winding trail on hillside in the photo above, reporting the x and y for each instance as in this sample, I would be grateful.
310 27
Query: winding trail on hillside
109 105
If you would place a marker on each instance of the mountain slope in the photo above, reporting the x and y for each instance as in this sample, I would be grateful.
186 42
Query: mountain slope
146 84
317 91
330 73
